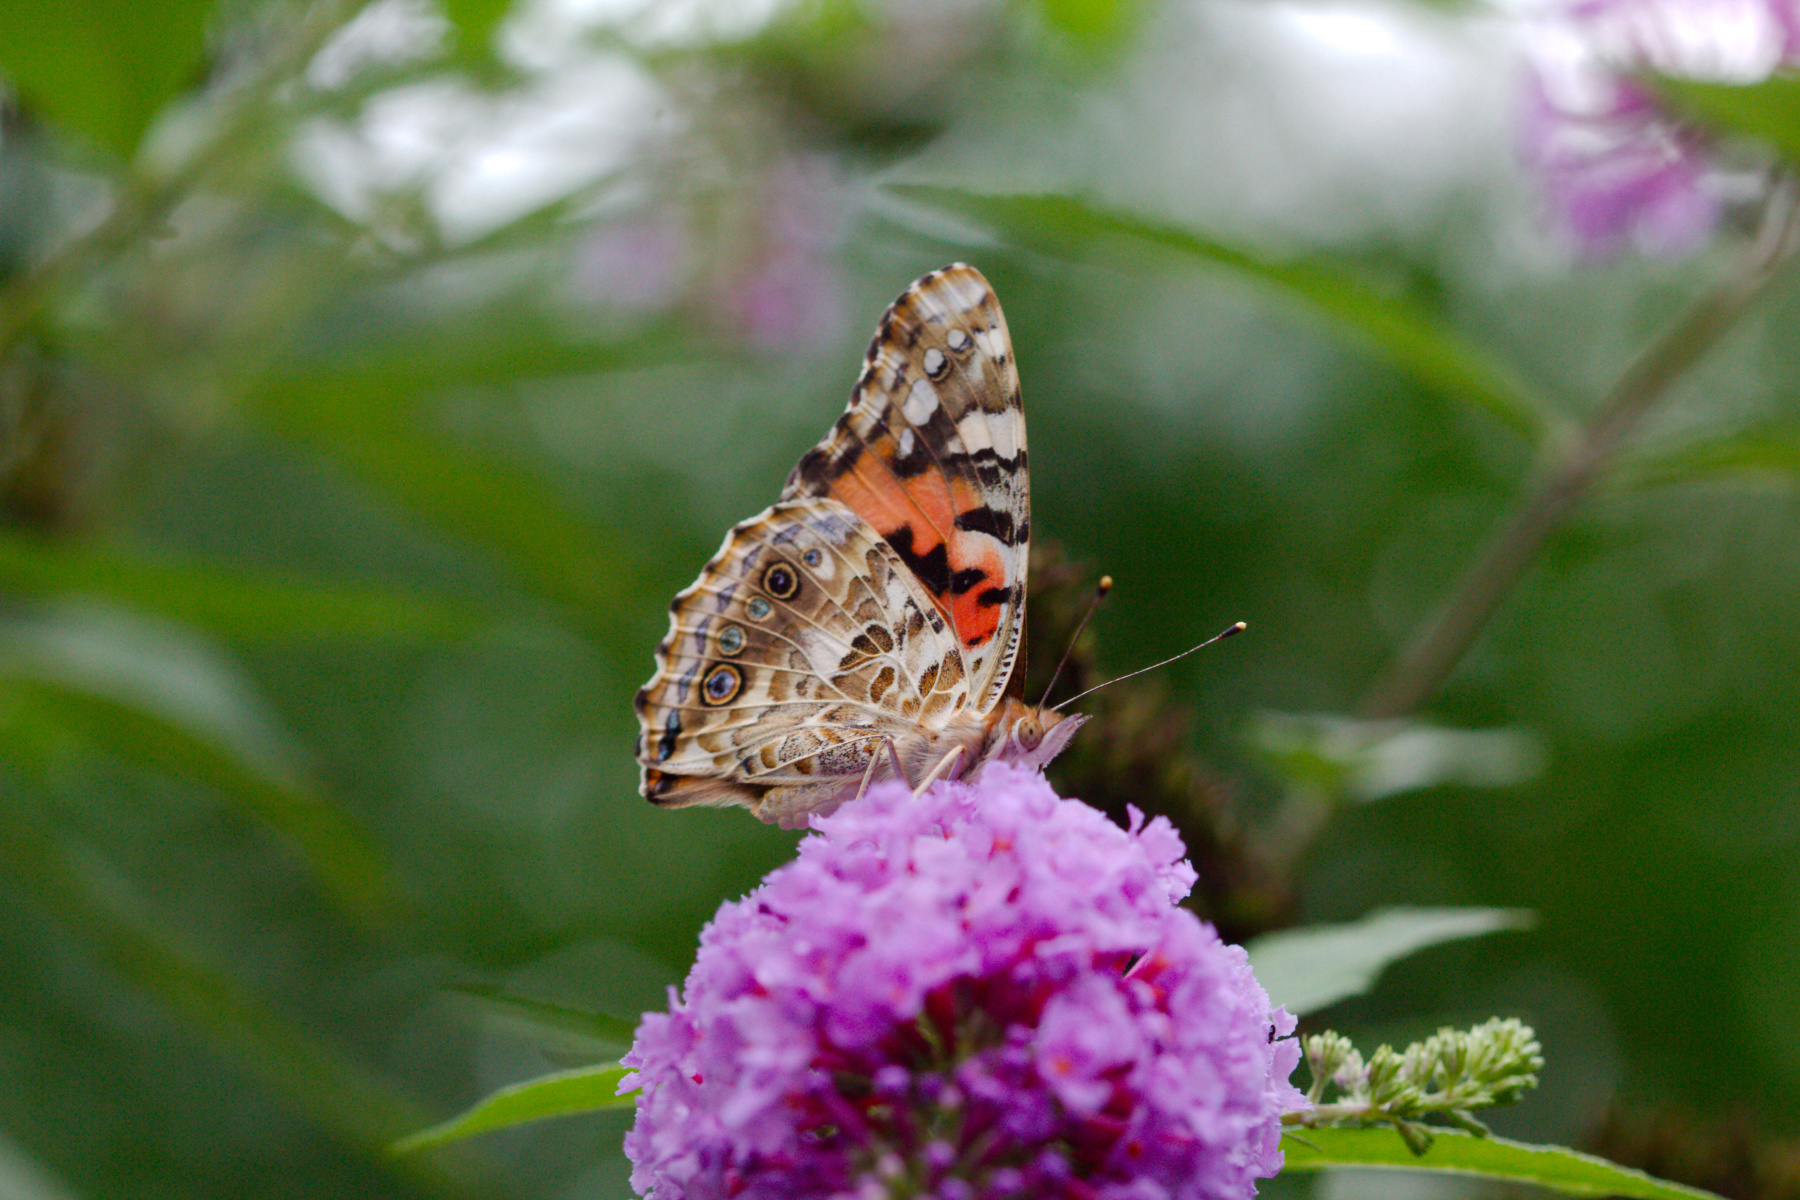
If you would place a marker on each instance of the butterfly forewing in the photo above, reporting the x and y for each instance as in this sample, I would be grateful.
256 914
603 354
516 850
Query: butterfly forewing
931 452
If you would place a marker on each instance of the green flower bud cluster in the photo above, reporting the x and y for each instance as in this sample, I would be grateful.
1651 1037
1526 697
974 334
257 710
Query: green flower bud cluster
1447 1076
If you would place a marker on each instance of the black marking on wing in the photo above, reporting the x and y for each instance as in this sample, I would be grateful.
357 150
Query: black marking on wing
932 568
993 468
991 521
820 466
966 578
919 461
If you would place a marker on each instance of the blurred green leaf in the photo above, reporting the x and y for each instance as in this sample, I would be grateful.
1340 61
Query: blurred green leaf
1769 451
102 69
22 1177
370 416
564 1094
1097 23
555 1026
1457 1153
231 601
161 696
355 420
476 21
1769 110
1308 969
100 914
1371 760
1409 335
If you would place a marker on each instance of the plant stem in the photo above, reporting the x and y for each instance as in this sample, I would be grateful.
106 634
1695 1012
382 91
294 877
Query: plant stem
144 202
1443 641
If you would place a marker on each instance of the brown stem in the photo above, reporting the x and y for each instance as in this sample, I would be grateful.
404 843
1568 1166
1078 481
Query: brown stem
1422 669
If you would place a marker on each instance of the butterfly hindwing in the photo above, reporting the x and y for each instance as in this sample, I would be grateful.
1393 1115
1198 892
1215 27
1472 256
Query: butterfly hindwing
802 646
931 453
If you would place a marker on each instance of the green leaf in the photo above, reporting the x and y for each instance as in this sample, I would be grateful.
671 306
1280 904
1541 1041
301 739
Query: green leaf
163 697
232 601
1092 23
102 69
370 416
1769 110
101 915
1408 335
1458 1153
1370 760
552 1025
1307 969
476 21
564 1094
1768 452
354 420
23 1177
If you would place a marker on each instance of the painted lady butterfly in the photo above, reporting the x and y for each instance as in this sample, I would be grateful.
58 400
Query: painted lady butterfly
872 619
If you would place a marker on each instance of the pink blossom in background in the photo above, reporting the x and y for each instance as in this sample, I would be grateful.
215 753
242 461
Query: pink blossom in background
1616 169
985 991
785 292
633 267
757 262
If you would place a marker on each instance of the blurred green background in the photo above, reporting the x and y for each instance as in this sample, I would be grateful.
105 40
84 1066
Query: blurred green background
371 376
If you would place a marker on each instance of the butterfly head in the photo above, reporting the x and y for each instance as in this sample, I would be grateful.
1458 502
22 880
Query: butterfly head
1029 736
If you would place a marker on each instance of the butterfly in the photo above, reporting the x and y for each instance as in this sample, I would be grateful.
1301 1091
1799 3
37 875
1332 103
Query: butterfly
870 622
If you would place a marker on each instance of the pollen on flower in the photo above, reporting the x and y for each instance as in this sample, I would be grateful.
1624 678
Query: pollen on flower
985 991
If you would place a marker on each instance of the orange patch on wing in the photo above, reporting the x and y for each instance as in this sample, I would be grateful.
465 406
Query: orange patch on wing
881 499
929 504
976 622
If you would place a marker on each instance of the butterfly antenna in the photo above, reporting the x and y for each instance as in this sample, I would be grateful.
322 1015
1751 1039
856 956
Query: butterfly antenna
1217 637
1104 586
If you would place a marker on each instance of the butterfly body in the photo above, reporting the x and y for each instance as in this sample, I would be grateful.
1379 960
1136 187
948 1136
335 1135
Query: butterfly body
875 614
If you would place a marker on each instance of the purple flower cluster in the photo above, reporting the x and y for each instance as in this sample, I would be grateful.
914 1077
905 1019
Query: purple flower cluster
983 992
1618 169
760 266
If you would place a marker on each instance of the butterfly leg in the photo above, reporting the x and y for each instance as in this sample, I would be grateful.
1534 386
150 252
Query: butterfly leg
893 754
868 775
949 767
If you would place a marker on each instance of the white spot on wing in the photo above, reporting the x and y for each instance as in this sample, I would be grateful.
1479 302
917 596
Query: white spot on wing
906 442
992 343
956 339
921 402
974 429
934 361
1003 429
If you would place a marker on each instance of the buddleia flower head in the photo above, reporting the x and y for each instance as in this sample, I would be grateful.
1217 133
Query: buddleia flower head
984 991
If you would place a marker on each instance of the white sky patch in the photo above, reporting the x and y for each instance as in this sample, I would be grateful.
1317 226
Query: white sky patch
1354 33
542 33
477 161
386 33
1324 120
